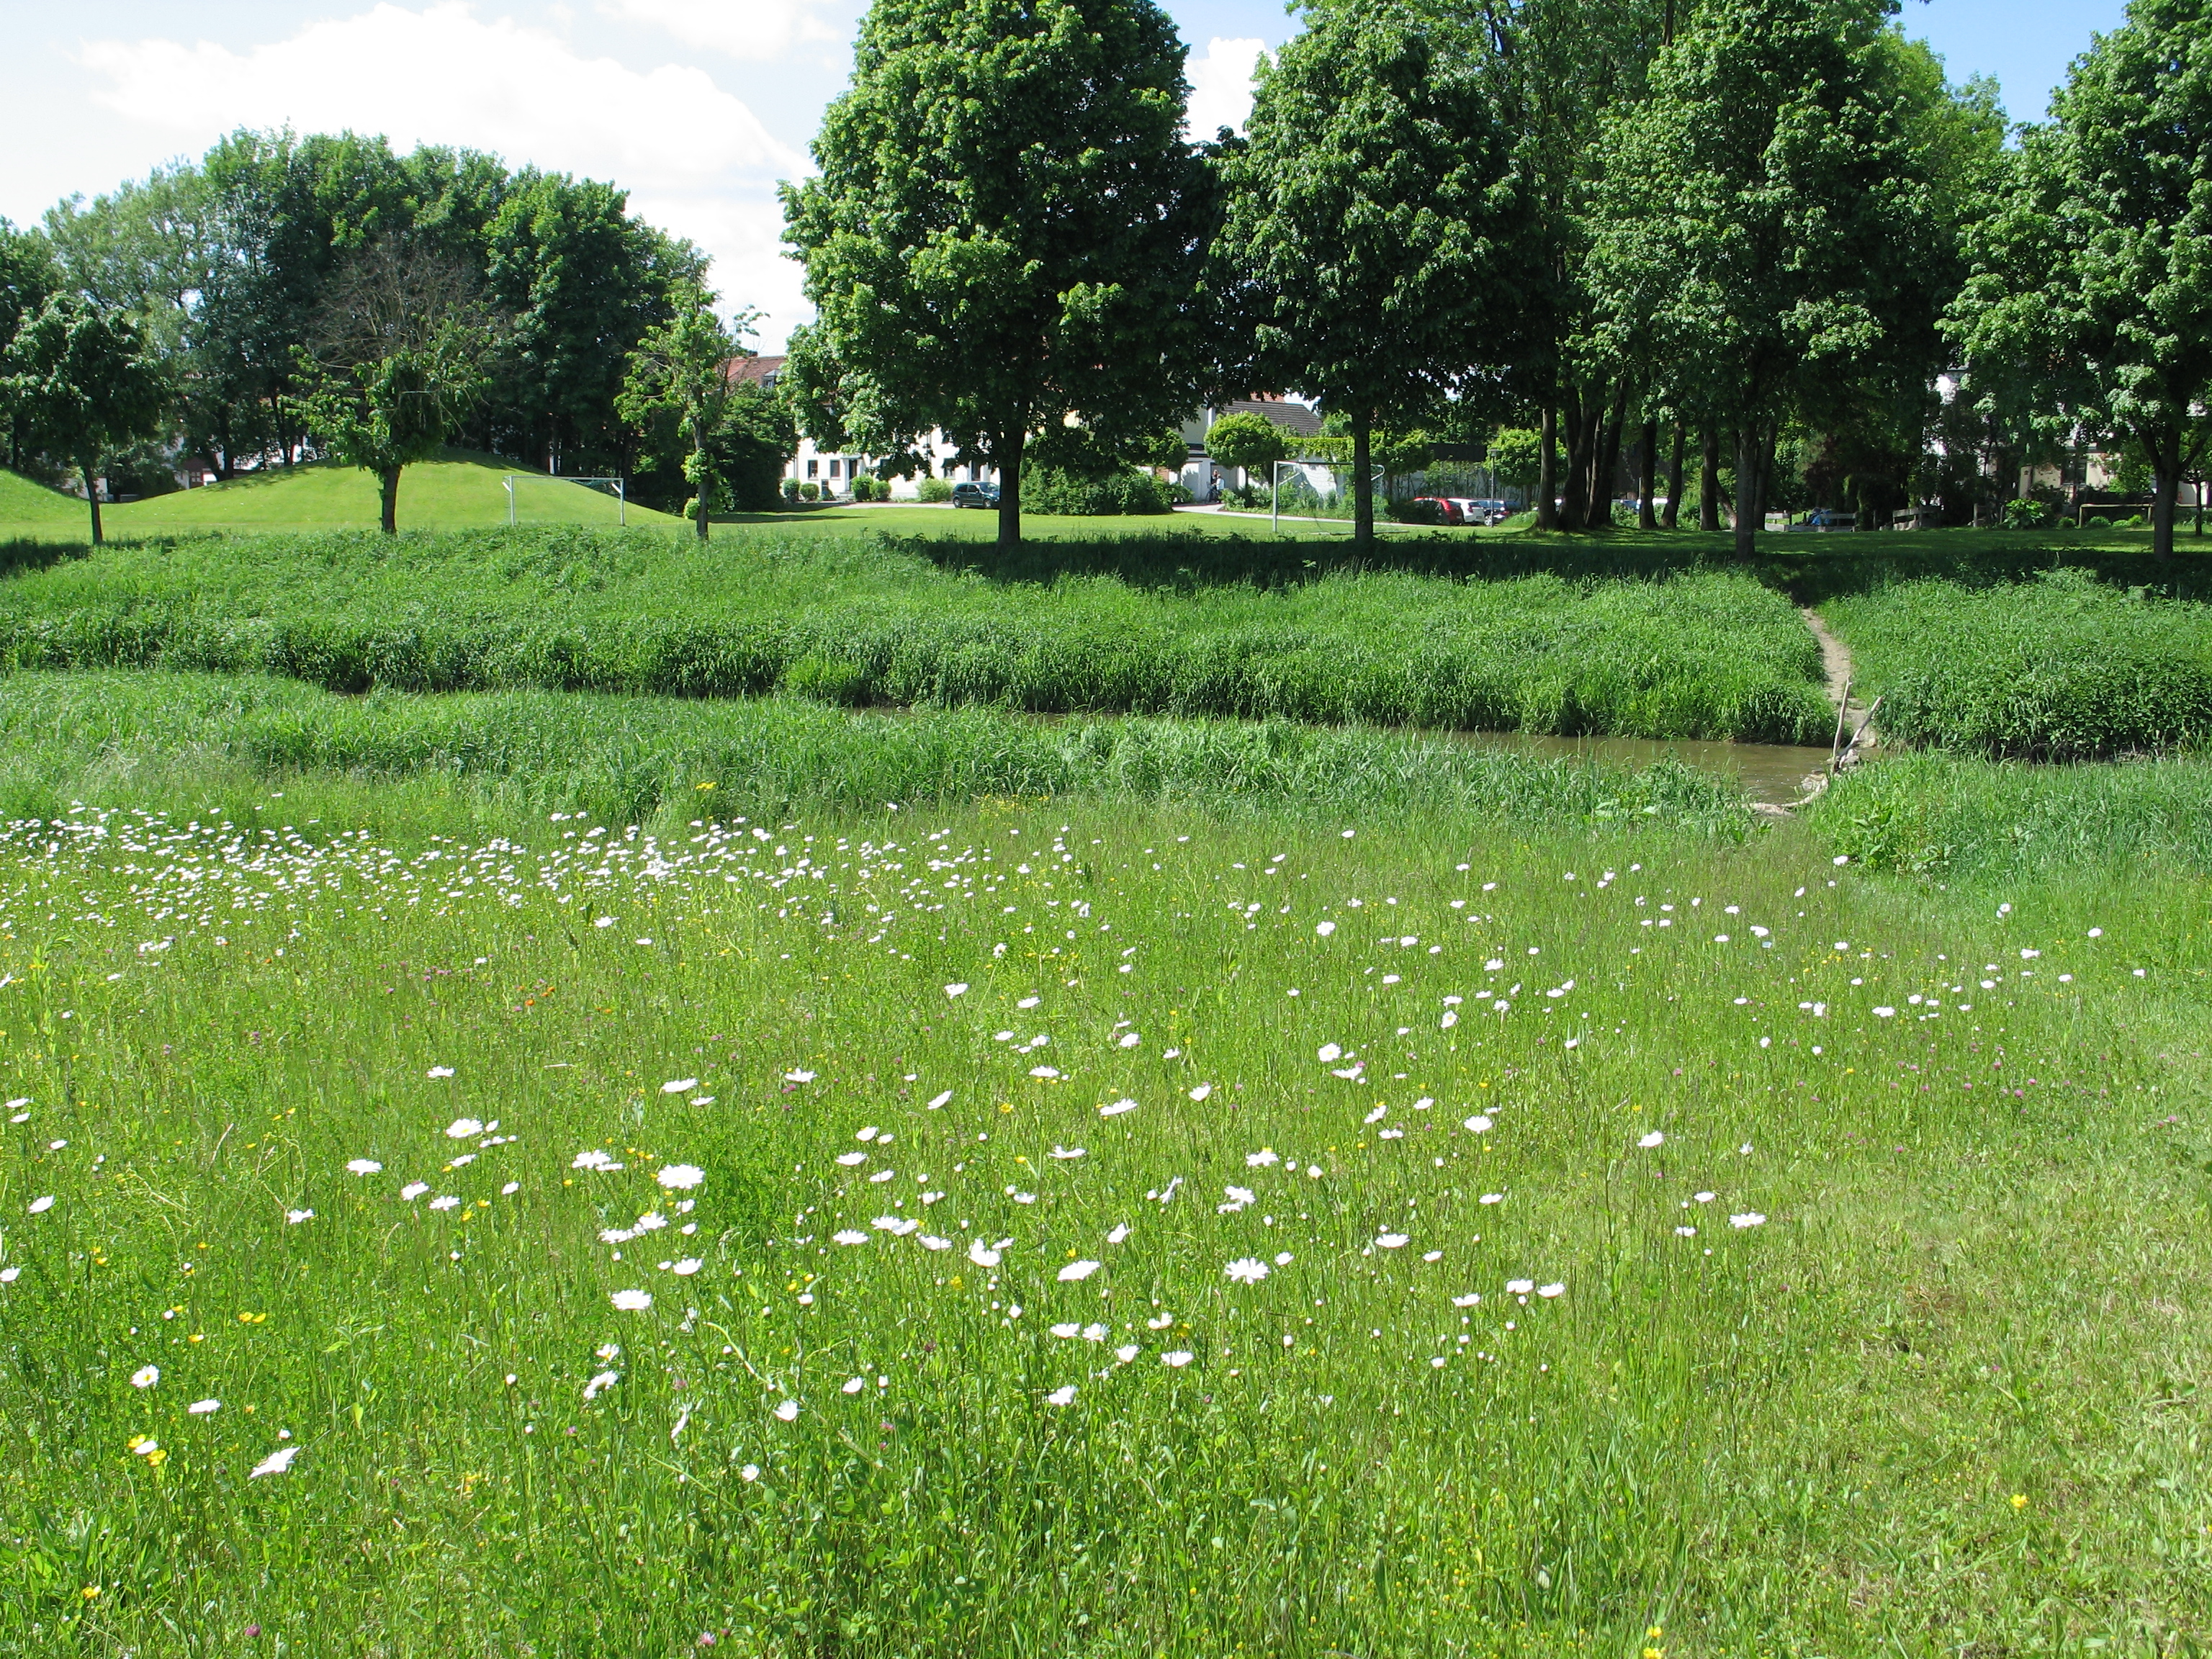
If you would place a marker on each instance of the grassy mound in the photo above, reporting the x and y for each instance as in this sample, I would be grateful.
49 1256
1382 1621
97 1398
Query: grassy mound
464 492
1704 655
31 510
2060 667
110 736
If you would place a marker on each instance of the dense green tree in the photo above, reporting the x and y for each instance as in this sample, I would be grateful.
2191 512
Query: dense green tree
1248 441
1515 457
2092 275
28 276
1004 241
400 354
82 381
1568 68
678 385
584 281
1769 220
1368 241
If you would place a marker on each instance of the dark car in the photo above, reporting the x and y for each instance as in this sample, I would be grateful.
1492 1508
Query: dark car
1432 509
975 494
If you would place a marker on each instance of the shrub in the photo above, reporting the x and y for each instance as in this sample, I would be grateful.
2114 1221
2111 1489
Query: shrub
791 489
1073 495
2025 515
932 489
809 491
863 487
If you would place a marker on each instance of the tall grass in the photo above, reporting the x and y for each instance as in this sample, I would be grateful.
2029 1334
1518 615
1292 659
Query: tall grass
112 737
1940 815
2061 667
1700 655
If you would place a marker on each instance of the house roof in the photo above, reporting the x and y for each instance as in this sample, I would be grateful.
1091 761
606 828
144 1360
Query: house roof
1295 418
754 371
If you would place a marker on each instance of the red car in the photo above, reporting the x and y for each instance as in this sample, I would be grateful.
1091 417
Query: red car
1434 509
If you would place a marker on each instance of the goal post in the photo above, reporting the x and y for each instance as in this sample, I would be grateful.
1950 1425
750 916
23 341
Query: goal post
543 498
1302 482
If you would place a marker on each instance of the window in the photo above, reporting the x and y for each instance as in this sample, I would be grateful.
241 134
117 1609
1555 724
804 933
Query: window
813 467
833 467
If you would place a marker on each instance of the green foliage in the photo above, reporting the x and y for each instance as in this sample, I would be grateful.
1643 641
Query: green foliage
2088 273
1369 246
2060 668
1770 221
586 284
401 353
1076 495
79 380
863 487
1515 457
809 491
1696 656
677 387
1250 442
933 489
1005 233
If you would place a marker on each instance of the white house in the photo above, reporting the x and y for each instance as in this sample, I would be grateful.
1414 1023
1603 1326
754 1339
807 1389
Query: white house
832 471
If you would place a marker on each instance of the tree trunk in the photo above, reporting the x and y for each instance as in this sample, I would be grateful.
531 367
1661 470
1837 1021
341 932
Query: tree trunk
1584 421
91 494
1647 477
703 483
1672 517
1008 453
1363 484
1709 481
1608 468
2166 485
1547 469
1750 489
387 482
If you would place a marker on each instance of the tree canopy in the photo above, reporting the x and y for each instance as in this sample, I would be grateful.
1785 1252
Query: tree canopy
1369 245
2091 280
1004 237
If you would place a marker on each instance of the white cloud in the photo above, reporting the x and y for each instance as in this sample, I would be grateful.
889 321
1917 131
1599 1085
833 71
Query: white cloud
1221 85
757 29
442 76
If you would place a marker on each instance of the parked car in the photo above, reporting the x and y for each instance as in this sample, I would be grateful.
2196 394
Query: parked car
975 494
1476 511
1432 509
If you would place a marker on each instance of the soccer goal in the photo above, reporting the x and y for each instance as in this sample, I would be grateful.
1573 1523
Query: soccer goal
536 498
1315 490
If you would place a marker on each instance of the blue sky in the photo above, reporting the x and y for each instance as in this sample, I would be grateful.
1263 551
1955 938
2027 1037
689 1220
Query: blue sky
697 106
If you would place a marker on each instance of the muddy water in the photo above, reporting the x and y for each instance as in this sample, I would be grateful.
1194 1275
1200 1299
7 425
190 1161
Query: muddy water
1774 772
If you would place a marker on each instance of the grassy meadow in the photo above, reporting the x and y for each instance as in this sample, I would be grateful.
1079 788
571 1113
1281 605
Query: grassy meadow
1091 1231
852 1096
